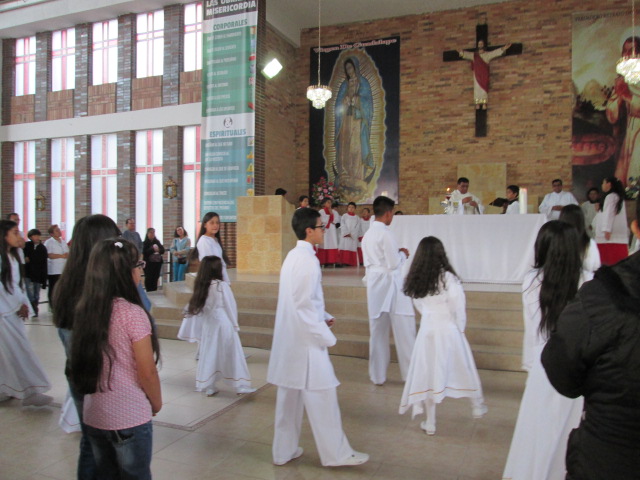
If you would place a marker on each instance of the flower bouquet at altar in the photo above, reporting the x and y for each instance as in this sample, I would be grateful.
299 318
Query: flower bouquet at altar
323 189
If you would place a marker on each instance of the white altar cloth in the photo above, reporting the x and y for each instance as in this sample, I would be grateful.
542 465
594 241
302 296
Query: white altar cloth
481 248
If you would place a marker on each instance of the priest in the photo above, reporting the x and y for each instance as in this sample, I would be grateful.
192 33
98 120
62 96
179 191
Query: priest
464 202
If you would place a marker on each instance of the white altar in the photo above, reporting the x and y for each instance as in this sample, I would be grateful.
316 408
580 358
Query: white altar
481 248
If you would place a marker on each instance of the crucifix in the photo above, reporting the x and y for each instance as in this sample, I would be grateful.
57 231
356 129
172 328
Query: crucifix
480 58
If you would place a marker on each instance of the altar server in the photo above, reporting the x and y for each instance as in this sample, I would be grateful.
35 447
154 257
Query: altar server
349 232
212 313
365 223
442 364
388 306
299 365
21 373
328 252
539 443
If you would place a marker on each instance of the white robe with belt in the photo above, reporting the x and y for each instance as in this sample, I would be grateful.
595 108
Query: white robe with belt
208 246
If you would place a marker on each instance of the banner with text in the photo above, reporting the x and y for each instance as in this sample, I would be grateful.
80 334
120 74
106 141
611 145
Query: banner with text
228 104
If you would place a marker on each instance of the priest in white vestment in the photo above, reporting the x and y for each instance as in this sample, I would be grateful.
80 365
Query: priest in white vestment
554 201
388 306
465 203
299 364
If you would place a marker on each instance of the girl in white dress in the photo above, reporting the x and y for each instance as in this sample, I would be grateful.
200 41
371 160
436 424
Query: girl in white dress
214 308
546 418
209 242
442 364
21 373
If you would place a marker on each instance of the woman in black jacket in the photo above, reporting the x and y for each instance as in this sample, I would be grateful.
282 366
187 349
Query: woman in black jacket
35 268
152 251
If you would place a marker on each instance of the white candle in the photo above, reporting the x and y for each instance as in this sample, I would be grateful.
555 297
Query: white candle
522 200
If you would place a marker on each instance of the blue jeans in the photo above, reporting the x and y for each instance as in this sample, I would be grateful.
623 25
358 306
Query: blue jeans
33 292
86 462
122 454
179 270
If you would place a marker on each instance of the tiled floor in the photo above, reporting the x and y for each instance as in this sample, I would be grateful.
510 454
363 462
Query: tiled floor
226 438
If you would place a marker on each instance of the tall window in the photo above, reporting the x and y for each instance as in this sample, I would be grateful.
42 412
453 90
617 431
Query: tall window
150 44
63 59
149 181
105 52
193 37
25 66
104 171
191 180
24 184
63 198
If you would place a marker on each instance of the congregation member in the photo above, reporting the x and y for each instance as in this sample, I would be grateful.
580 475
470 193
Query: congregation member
14 217
572 214
365 223
57 252
513 201
21 373
388 307
349 234
131 235
299 364
545 418
594 352
467 203
152 251
554 201
610 224
303 201
114 352
209 242
442 364
35 268
328 252
180 252
590 208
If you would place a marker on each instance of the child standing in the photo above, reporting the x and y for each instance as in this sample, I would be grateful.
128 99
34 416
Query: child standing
328 252
299 365
349 232
365 223
209 242
21 374
213 306
442 364
35 268
114 351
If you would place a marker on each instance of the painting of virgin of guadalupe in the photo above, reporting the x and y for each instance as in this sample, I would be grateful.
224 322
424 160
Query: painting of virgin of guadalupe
354 130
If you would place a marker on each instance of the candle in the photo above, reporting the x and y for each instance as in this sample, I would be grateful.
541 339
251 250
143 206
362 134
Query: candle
522 200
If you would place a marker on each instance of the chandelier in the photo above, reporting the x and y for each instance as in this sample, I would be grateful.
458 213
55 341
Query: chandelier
629 65
318 94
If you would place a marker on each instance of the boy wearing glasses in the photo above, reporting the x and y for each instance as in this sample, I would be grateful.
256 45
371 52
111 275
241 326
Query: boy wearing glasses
299 365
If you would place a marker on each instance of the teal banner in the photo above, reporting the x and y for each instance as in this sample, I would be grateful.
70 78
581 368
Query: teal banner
228 105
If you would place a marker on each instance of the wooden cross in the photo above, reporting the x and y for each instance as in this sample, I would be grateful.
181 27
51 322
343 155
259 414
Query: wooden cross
480 58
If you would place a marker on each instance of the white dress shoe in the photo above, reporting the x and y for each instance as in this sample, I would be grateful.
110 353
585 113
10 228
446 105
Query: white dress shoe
298 453
357 458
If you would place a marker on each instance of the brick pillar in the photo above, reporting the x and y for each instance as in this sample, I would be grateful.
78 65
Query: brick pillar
260 155
84 69
126 61
82 175
6 174
126 176
43 74
43 183
172 167
8 78
173 52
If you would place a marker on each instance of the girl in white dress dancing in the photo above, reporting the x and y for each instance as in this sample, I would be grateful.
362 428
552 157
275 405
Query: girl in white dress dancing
442 364
213 313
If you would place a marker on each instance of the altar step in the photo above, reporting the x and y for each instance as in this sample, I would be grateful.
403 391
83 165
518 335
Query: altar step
494 323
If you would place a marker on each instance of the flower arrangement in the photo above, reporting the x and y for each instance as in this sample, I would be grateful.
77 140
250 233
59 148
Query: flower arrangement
633 187
323 189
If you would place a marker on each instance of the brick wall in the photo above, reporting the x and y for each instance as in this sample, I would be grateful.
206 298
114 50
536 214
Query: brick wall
82 175
172 167
102 99
146 93
6 175
173 41
60 104
22 109
84 69
43 74
126 61
191 86
43 184
8 79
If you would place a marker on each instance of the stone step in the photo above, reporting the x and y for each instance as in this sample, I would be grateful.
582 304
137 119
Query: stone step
491 357
488 300
495 336
495 317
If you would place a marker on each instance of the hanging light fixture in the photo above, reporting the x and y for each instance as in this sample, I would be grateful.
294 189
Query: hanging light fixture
629 65
318 94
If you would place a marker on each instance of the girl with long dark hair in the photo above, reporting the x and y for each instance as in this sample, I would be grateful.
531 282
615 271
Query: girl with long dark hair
611 232
21 373
442 364
546 418
209 242
114 352
574 215
212 320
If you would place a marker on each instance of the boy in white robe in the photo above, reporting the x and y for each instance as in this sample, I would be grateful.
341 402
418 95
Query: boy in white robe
349 233
388 305
299 365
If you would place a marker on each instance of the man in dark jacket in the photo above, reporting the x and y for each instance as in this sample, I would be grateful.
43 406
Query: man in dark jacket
35 267
595 352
